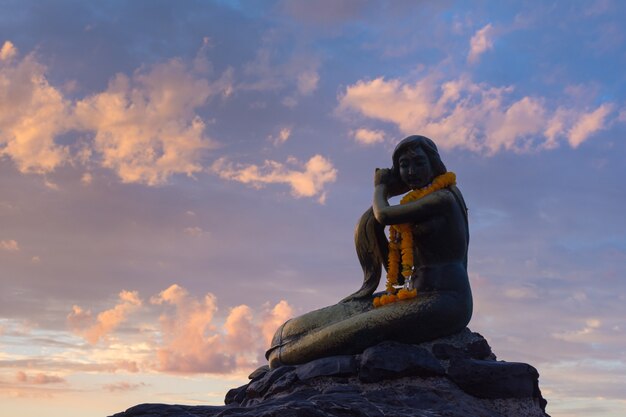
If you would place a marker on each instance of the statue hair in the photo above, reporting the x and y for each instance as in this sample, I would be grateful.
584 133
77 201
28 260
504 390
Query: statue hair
419 142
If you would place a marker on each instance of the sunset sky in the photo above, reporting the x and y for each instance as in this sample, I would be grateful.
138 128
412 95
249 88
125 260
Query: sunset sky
177 178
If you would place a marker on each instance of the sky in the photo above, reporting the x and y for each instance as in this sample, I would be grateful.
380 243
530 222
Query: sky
179 178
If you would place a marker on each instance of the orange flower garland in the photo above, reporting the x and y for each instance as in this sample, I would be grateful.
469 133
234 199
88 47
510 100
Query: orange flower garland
401 245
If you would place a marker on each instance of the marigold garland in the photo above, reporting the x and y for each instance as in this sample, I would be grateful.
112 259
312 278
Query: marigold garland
401 245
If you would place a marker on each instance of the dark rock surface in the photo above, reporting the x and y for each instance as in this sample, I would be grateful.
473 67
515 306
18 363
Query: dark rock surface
453 376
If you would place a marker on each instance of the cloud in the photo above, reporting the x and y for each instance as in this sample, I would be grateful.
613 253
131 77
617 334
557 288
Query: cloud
475 116
9 245
481 42
38 379
588 124
32 114
146 128
587 334
8 51
282 136
273 318
368 137
194 343
123 386
87 178
270 70
193 231
324 11
93 329
307 82
308 182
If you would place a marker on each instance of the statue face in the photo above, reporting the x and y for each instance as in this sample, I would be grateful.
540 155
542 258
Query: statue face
415 169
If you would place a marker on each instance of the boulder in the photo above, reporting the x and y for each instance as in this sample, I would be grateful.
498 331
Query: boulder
452 376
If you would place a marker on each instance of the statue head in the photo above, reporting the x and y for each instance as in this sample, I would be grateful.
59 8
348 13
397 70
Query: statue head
414 148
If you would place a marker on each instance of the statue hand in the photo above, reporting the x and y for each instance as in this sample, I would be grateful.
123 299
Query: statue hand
382 176
394 185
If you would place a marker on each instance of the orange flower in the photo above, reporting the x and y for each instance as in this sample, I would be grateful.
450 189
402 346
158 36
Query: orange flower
405 294
401 242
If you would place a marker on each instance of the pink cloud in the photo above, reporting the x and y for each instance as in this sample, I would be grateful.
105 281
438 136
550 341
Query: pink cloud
194 343
180 333
9 245
146 128
273 318
309 181
589 123
281 137
38 379
32 114
476 116
123 386
368 137
307 82
93 329
8 51
481 42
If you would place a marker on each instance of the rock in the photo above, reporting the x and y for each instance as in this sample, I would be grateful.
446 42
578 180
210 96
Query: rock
479 349
491 379
446 351
258 387
331 366
236 395
395 360
282 384
451 376
259 372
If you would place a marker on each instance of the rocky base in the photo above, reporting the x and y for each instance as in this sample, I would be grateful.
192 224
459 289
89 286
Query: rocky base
452 376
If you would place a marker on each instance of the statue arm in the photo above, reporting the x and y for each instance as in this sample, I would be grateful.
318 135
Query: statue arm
413 212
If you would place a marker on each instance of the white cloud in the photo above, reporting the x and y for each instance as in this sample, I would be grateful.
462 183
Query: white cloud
368 137
481 42
9 245
307 182
475 116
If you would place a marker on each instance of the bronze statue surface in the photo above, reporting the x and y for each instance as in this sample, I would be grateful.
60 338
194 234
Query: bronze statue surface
433 222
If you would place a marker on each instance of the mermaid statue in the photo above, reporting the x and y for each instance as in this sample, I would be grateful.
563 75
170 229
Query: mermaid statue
427 294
